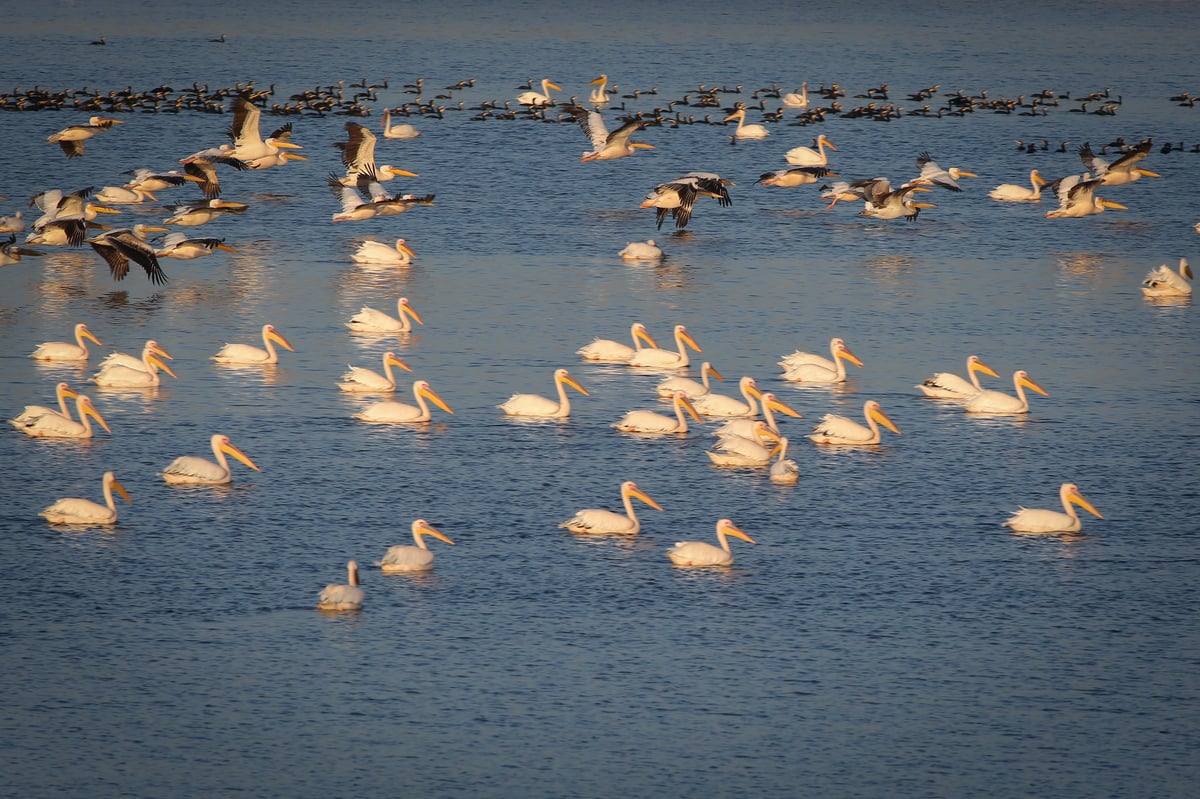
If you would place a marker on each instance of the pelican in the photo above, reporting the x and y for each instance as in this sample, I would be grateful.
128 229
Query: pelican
389 412
711 404
534 99
946 178
59 233
375 252
608 146
702 553
145 376
121 195
12 254
654 423
65 350
248 143
52 425
945 385
72 139
600 93
989 401
247 353
817 373
12 224
679 196
795 176
783 471
363 381
642 251
202 169
752 450
1077 198
62 392
73 510
796 99
744 131
191 470
202 213
1039 520
692 389
148 180
402 131
1124 170
807 156
744 425
369 320
1011 192
343 597
404 558
358 156
1162 282
656 358
135 361
594 520
609 351
800 357
884 202
834 429
179 245
119 247
541 407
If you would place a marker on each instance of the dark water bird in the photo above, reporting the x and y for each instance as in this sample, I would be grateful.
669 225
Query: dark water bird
119 247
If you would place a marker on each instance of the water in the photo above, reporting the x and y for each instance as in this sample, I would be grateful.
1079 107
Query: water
884 637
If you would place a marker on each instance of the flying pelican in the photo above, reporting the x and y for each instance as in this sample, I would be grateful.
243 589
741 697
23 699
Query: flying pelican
945 385
884 202
248 143
817 373
343 597
784 470
191 470
376 252
834 429
702 553
642 251
1077 198
654 423
534 99
608 146
202 213
73 510
119 247
679 196
1162 282
712 404
135 361
795 176
796 99
369 320
595 520
600 93
121 195
401 131
692 389
358 156
1124 170
52 425
656 358
180 245
609 351
1011 192
148 180
407 558
145 376
65 350
62 392
390 412
744 131
1038 520
202 169
744 425
989 401
12 254
72 139
807 156
247 353
362 380
946 178
541 407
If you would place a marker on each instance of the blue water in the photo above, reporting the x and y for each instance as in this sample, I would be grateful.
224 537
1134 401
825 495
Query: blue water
884 637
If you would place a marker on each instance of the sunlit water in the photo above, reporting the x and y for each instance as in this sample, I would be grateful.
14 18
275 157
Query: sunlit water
886 636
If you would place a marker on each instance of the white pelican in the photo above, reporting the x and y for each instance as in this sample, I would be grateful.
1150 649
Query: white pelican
72 139
595 520
65 350
702 553
1162 282
796 99
807 156
52 425
744 425
12 224
989 401
541 407
62 392
1039 520
120 246
946 385
401 131
642 251
800 356
679 196
389 412
145 376
946 178
834 429
744 131
654 423
757 449
609 351
191 470
369 320
248 143
712 404
67 210
185 248
656 358
600 93
692 389
343 596
535 99
1011 192
407 558
73 510
202 213
795 176
247 353
608 146
884 202
1077 198
148 180
816 373
12 254
135 361
784 470
120 195
376 252
358 156
1124 170
363 380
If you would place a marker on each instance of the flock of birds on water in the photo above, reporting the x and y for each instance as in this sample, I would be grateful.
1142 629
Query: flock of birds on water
749 436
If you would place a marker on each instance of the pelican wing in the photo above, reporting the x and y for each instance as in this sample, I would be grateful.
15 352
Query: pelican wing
119 247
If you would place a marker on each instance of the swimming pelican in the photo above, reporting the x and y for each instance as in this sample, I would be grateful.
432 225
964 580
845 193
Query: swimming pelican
989 401
73 510
744 131
692 389
608 146
541 407
679 196
1039 520
795 176
52 425
807 156
191 470
407 558
702 553
800 357
62 392
1011 192
362 380
654 423
744 425
534 99
369 320
247 353
595 520
834 429
1121 171
73 138
712 404
390 412
402 131
65 350
608 351
180 245
816 373
600 93
784 470
641 251
343 596
1162 282
656 358
946 178
12 224
145 376
376 252
757 449
1077 198
119 247
946 385
796 99
12 254
134 361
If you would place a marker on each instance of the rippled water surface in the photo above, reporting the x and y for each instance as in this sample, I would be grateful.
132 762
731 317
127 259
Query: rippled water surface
884 637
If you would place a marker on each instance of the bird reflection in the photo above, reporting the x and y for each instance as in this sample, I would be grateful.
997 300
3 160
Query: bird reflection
1081 263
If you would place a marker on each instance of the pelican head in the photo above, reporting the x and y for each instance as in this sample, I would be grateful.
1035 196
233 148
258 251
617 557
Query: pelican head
977 365
155 349
682 400
843 352
561 376
226 446
157 364
727 527
270 333
120 489
546 84
81 331
420 527
86 408
738 114
422 388
392 359
597 81
822 140
875 412
1072 495
396 171
1024 379
404 307
629 488
778 405
639 331
686 338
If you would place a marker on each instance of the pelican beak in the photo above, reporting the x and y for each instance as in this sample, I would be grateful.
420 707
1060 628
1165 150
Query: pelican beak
1111 204
597 81
847 355
829 144
1039 180
411 311
225 247
1082 502
776 405
881 417
148 194
428 529
646 337
402 173
159 364
104 209
69 393
736 532
294 156
120 489
980 366
570 381
644 497
153 229
713 371
962 173
286 145
85 333
280 340
404 248
394 361
922 205
432 396
735 115
1148 174
192 178
157 350
920 188
91 411
691 409
1028 383
637 145
230 449
691 342
553 86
